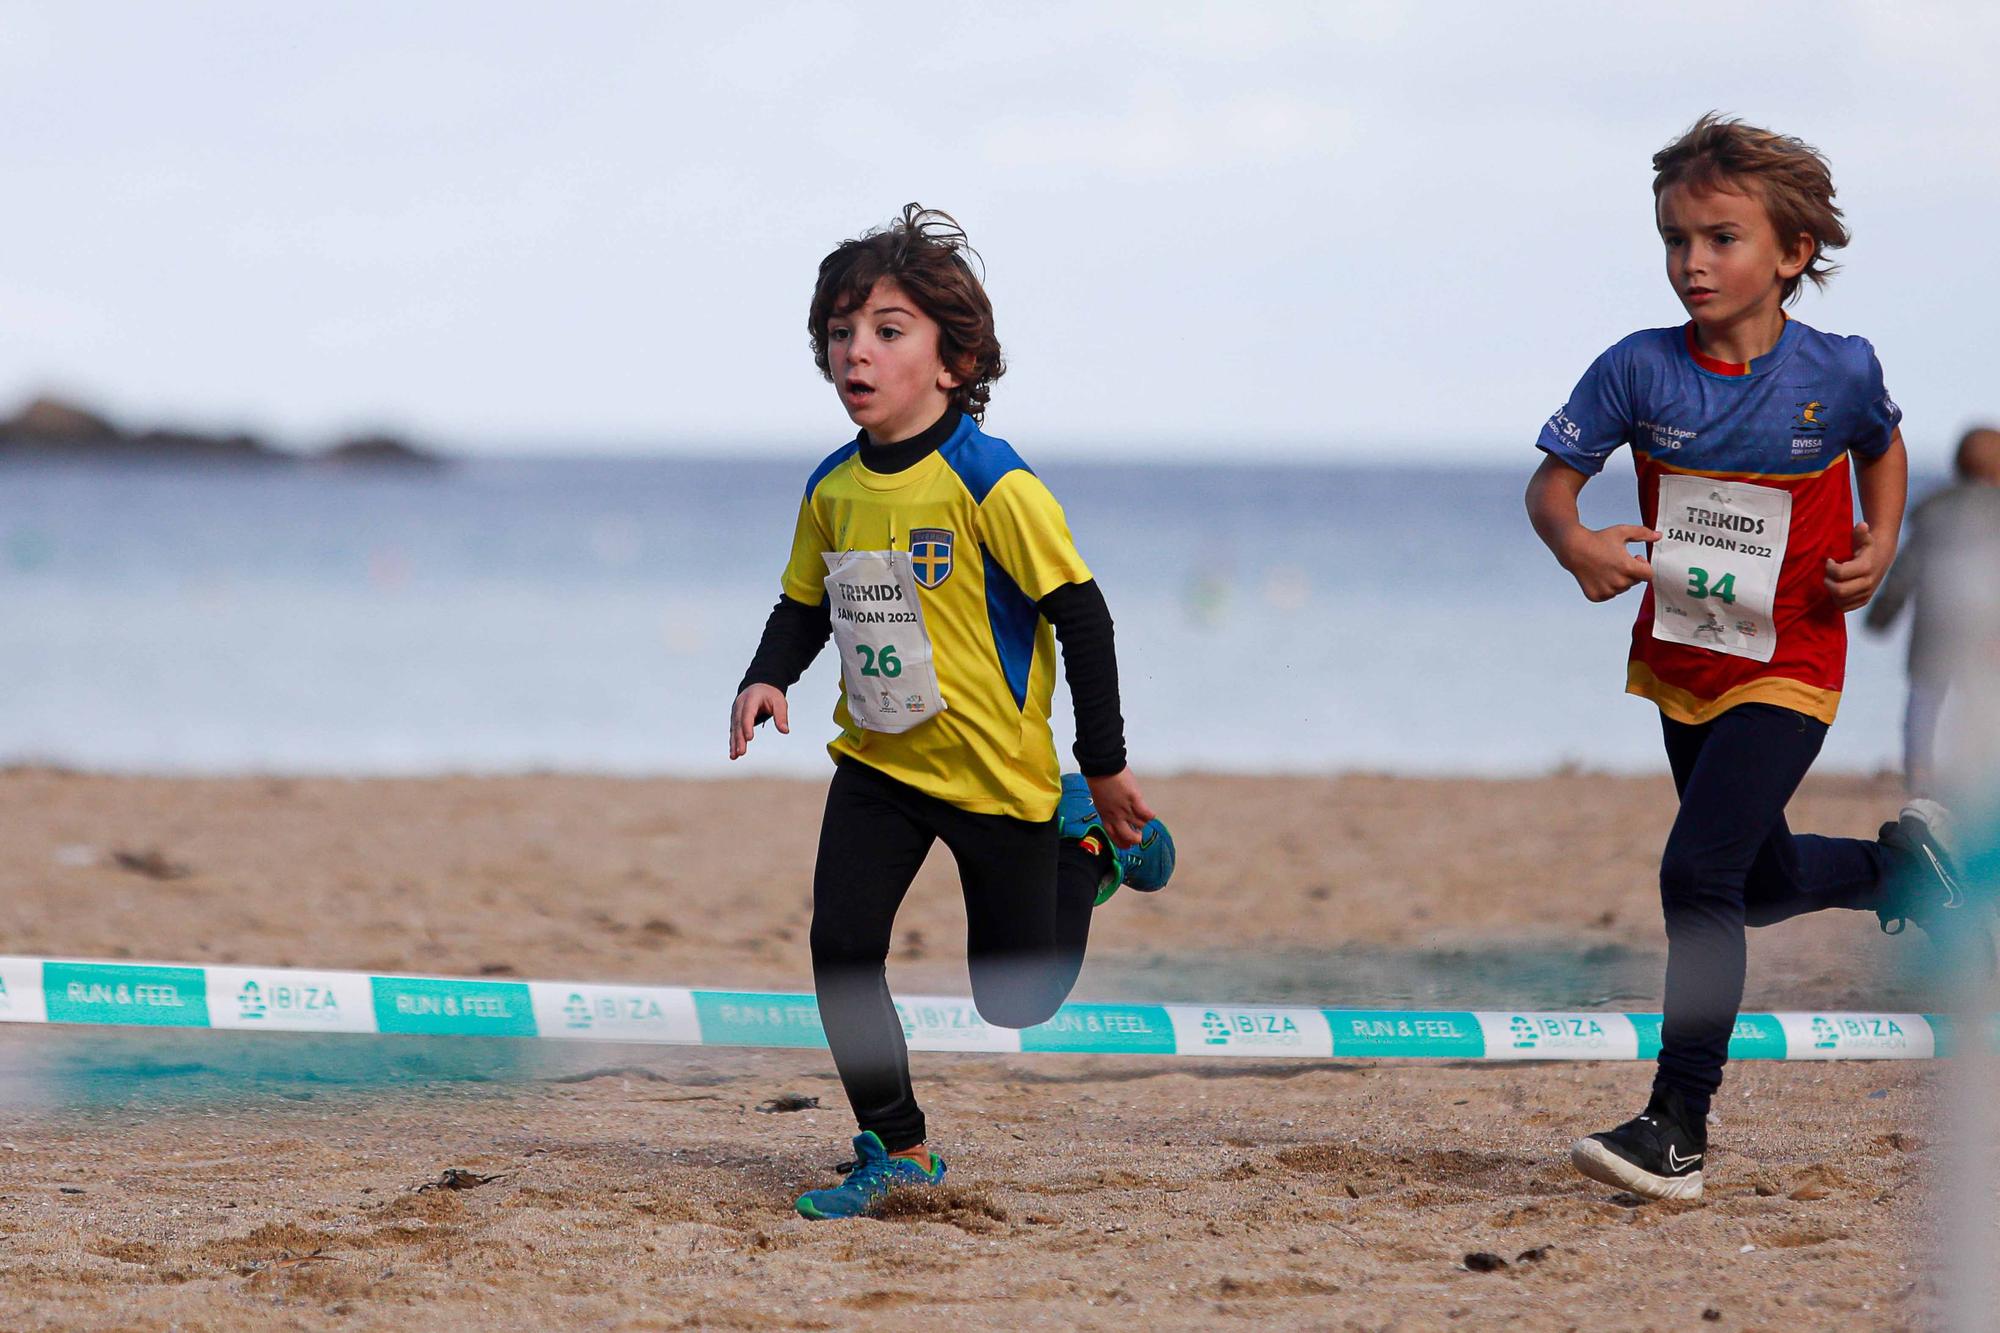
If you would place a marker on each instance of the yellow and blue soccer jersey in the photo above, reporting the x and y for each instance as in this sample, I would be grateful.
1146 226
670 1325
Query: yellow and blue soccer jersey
986 541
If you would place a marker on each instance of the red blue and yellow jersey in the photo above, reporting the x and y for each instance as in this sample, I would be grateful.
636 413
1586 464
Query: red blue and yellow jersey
987 541
1788 421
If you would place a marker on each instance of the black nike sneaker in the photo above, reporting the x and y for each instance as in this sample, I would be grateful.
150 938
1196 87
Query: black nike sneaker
1923 884
1656 1154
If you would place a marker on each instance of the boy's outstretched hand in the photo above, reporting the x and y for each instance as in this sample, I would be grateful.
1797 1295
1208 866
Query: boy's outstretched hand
756 703
1600 562
1120 808
1853 582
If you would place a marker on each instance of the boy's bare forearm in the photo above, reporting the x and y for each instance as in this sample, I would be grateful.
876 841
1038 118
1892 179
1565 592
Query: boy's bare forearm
1551 501
1884 486
1600 560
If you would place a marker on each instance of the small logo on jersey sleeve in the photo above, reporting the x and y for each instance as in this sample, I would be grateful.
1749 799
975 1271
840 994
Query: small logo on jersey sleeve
930 555
1563 428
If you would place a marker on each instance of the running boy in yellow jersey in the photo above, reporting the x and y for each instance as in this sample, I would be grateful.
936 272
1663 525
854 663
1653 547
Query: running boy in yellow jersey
944 571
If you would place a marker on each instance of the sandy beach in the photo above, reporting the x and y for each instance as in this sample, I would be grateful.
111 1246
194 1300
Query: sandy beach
216 1180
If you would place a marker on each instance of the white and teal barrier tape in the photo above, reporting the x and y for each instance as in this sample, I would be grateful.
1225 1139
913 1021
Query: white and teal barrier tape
50 990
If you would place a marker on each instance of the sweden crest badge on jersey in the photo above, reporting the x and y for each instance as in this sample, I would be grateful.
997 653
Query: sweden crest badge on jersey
930 555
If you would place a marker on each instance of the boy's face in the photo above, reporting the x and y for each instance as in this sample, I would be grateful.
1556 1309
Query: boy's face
1724 257
886 366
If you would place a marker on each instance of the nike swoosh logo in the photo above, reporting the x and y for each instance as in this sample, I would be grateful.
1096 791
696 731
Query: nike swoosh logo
1676 1162
1953 895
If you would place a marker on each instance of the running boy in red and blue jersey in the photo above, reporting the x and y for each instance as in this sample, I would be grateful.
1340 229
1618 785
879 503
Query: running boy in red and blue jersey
1747 430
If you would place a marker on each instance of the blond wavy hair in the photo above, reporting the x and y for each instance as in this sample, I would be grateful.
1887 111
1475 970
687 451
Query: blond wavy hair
1788 176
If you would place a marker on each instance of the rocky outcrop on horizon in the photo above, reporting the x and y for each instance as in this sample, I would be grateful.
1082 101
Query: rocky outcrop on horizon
379 451
53 428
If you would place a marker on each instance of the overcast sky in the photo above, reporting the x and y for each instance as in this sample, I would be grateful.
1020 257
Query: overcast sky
1390 229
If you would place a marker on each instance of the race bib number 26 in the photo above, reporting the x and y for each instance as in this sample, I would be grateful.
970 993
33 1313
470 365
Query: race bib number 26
885 650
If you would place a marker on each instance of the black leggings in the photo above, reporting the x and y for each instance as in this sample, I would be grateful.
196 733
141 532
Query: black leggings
1731 861
1028 900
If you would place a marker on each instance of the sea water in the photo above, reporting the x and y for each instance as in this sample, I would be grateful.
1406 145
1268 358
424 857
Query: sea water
502 615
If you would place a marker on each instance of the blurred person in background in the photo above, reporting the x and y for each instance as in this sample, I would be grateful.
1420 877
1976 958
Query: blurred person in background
1938 576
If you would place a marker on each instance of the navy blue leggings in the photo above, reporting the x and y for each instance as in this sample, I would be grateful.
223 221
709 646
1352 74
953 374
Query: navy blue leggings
1731 861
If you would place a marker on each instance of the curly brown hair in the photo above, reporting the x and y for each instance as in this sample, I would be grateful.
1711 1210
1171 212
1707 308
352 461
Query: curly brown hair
927 254
1789 176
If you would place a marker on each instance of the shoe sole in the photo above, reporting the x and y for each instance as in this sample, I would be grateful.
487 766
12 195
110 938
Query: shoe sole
809 1210
1961 928
1137 887
1598 1162
1937 820
1939 845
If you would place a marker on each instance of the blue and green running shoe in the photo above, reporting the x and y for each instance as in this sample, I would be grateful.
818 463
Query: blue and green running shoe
1150 865
875 1173
1146 867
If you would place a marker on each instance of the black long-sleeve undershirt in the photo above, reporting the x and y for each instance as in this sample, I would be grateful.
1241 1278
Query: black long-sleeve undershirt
793 635
1083 627
795 632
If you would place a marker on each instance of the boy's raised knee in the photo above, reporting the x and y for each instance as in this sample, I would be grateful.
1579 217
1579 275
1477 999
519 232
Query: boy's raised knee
1018 992
1009 1001
1015 1011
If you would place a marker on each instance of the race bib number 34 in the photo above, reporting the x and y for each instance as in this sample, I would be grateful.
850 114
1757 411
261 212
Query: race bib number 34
885 651
1715 567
